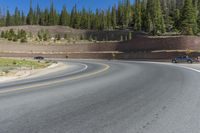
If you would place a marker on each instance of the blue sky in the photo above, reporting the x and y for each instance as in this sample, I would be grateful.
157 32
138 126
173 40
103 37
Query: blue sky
24 4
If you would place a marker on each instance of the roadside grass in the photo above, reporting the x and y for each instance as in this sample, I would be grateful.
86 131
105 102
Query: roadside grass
7 64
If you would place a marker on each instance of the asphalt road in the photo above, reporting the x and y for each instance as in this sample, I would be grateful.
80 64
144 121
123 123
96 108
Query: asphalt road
104 97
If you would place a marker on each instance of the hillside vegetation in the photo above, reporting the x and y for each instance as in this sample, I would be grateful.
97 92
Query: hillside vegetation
61 34
151 16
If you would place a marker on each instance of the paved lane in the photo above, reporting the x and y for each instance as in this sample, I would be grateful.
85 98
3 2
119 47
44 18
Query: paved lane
126 97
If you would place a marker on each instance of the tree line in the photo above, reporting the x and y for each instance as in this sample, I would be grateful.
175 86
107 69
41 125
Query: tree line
151 16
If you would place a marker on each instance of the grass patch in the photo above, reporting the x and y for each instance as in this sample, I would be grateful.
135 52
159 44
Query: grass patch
16 63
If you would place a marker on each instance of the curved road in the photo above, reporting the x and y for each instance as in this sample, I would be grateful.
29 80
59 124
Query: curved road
104 97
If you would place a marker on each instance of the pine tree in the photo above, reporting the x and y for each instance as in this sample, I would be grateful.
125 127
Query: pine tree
89 18
46 17
34 18
149 23
158 20
168 7
42 18
144 15
108 19
2 19
92 21
64 17
75 18
8 18
38 14
97 20
17 20
120 15
155 17
84 21
127 18
23 18
188 19
100 20
137 16
149 12
52 15
114 17
176 19
198 15
29 20
56 18
195 10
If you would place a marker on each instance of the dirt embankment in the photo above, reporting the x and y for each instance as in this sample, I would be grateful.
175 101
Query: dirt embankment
138 47
161 43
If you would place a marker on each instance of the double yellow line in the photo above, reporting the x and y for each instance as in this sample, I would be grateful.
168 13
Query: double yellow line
106 67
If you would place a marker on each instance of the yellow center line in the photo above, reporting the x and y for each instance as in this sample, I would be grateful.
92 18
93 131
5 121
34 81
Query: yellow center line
60 81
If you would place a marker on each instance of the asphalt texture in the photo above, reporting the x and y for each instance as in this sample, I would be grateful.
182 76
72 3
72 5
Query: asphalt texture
100 96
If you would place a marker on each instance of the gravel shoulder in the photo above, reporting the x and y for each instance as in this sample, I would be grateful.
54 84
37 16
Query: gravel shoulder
24 74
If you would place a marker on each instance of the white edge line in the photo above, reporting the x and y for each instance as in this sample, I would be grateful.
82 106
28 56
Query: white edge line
78 71
74 72
43 84
163 63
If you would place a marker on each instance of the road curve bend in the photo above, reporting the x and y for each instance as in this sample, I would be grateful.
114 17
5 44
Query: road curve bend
99 96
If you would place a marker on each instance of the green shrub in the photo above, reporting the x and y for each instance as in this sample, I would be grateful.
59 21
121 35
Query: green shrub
66 36
107 38
14 62
95 38
2 34
130 35
126 38
43 35
90 38
23 33
47 62
6 35
82 37
40 36
23 40
121 38
10 38
11 32
15 38
30 35
58 37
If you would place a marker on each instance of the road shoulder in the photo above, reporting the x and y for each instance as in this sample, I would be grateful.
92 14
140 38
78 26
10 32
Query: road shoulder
27 74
